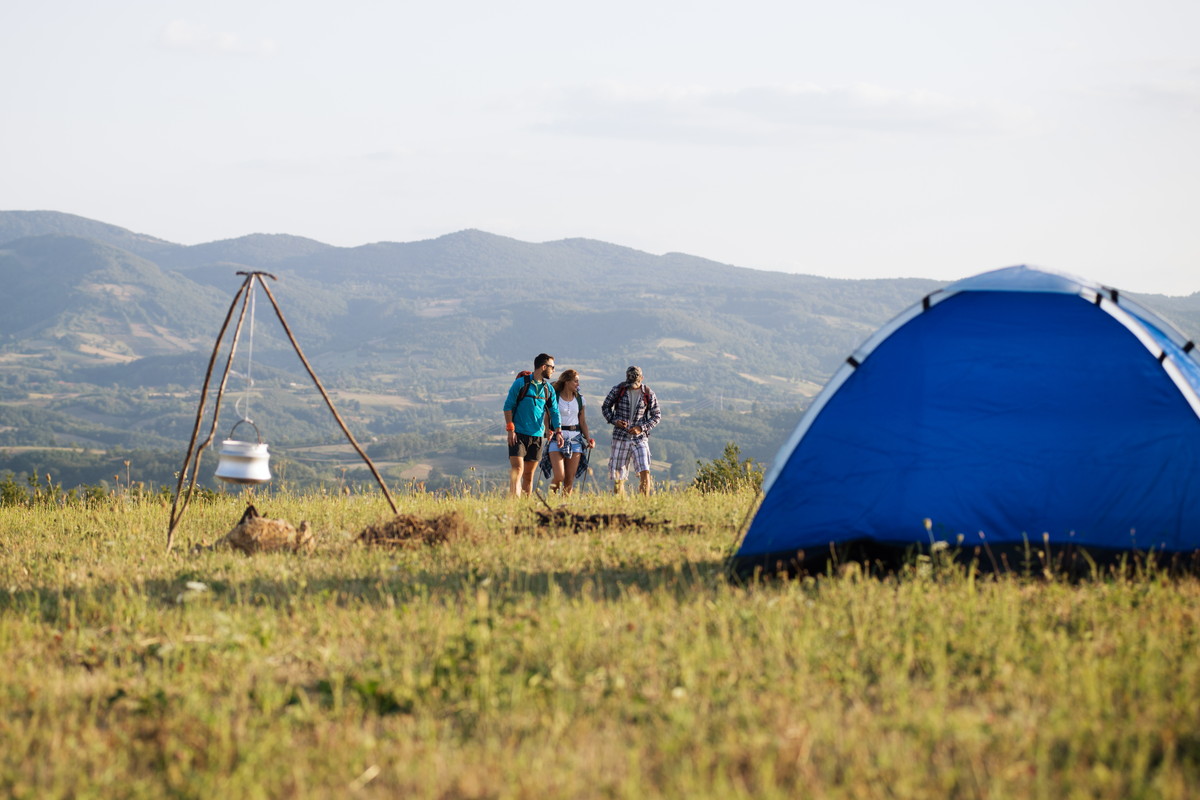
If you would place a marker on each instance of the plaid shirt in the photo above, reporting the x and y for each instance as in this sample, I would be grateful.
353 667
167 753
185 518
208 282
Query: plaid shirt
633 408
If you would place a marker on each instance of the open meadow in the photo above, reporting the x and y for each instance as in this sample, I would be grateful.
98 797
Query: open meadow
522 661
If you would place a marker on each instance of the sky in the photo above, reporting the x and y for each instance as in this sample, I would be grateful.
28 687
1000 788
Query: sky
853 139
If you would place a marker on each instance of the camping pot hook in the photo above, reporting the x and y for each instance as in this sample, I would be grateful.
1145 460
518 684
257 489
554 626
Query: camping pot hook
244 462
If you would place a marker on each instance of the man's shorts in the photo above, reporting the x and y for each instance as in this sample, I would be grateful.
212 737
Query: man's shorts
624 451
570 446
527 447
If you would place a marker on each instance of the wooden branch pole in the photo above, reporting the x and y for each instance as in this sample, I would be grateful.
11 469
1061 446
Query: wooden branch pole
317 381
188 467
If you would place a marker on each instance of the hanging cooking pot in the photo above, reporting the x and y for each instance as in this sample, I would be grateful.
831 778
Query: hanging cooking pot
244 462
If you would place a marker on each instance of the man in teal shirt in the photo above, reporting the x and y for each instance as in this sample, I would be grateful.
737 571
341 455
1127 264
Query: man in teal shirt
529 398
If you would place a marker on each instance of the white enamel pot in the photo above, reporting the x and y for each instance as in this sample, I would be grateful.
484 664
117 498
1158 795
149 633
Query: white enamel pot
244 462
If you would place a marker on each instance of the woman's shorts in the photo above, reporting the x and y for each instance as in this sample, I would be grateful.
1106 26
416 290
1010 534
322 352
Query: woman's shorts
570 446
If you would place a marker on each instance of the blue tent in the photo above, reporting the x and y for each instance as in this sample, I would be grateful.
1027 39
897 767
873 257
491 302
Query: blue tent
1018 406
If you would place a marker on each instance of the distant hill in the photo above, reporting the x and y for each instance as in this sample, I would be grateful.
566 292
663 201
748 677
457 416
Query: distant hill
258 250
22 224
84 296
487 301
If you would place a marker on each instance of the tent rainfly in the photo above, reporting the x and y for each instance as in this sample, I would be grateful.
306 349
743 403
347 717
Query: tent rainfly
1012 411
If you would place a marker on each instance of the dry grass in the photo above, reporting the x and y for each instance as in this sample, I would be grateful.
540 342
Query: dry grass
614 662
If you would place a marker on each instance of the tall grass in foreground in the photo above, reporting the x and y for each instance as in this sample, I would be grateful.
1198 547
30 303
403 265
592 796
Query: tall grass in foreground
523 663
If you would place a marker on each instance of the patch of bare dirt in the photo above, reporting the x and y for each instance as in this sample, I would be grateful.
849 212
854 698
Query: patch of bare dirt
564 519
409 530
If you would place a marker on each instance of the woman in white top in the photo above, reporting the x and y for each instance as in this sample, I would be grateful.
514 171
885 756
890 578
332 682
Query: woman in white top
564 460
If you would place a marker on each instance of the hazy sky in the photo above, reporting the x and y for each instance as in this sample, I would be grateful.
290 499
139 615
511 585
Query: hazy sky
848 139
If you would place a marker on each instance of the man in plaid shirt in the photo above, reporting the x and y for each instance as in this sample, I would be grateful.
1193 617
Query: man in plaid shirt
632 409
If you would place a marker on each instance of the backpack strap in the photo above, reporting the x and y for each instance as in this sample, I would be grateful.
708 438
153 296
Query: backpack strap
523 392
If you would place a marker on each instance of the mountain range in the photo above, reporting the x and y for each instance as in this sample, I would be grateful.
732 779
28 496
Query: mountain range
105 333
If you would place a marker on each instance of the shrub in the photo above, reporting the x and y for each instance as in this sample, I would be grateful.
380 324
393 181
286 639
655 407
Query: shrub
11 492
728 473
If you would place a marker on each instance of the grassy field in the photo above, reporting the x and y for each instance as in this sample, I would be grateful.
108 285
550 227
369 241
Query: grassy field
518 662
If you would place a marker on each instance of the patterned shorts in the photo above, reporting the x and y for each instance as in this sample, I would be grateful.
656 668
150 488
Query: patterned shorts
624 450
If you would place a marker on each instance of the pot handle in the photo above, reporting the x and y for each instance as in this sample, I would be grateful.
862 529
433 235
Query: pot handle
251 424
